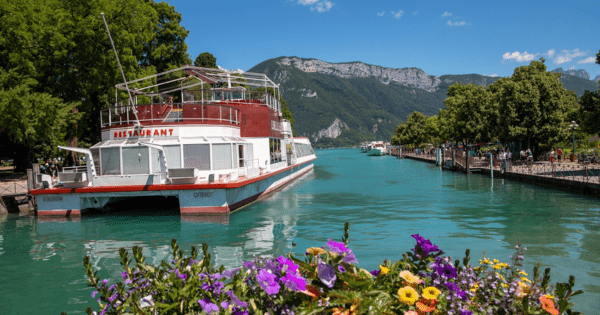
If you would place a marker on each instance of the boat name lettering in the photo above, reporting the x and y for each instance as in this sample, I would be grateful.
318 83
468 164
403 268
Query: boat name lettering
143 133
203 194
52 198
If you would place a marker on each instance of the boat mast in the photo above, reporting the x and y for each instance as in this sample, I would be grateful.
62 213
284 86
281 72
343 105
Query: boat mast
137 122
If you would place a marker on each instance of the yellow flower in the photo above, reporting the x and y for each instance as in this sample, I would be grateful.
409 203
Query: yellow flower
549 296
409 278
499 276
496 267
495 261
384 270
408 295
525 279
523 289
523 272
315 251
431 293
504 285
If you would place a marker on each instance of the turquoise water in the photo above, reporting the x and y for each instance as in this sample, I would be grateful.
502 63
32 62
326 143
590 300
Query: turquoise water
384 199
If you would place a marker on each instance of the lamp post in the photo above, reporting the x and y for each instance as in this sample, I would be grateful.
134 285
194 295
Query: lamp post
572 127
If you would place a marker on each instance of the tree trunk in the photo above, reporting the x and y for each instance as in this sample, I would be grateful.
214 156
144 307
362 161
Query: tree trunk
23 158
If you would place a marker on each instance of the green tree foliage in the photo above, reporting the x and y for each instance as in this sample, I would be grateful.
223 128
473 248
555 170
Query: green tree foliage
61 48
533 105
589 112
470 110
433 130
412 131
206 60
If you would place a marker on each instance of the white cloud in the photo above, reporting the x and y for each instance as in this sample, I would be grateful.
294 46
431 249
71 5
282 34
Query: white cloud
461 23
567 56
319 5
551 53
381 13
493 75
446 14
323 6
518 56
587 60
397 14
572 68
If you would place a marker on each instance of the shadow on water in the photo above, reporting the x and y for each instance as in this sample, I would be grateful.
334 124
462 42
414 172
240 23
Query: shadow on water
322 174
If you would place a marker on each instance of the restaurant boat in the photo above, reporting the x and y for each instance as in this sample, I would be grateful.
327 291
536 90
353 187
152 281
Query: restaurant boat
214 139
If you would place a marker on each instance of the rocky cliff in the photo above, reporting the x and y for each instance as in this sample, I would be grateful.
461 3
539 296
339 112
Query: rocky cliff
413 77
333 131
580 73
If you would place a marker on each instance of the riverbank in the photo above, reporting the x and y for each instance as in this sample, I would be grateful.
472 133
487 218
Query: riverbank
567 176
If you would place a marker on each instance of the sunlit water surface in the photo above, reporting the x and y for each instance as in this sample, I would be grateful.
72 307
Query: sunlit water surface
384 199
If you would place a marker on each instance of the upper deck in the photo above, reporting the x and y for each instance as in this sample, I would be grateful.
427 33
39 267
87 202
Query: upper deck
198 96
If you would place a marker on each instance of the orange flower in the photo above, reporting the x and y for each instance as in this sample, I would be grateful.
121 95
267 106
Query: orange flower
340 311
427 306
548 305
311 291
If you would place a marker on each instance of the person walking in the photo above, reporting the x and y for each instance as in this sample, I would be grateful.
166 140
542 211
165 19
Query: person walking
552 156
559 153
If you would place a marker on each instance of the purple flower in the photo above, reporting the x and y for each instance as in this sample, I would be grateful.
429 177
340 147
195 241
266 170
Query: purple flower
224 304
208 306
350 258
294 282
375 272
446 271
230 273
94 294
268 281
180 275
423 247
337 247
273 267
341 269
287 264
235 300
124 275
326 273
466 312
249 265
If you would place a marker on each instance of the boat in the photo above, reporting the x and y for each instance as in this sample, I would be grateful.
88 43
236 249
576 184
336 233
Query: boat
363 147
378 148
214 139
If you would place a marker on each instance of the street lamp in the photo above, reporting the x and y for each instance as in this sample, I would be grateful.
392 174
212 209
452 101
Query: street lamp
572 127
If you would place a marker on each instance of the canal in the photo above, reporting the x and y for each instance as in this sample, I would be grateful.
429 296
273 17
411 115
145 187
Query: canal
384 199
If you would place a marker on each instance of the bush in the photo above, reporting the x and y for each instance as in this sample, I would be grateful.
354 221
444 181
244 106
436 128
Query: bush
327 281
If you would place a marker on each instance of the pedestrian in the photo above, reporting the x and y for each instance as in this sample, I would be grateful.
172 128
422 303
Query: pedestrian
552 156
529 155
559 154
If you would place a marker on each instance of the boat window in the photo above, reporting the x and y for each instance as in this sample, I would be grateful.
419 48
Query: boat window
250 153
241 155
135 160
196 156
222 157
111 162
173 153
275 150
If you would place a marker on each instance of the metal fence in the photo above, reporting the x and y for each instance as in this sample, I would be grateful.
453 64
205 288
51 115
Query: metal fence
13 188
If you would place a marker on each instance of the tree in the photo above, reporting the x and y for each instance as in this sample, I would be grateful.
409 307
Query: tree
469 113
589 112
412 131
532 106
206 60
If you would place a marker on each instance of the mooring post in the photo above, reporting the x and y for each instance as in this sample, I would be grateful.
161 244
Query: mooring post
491 165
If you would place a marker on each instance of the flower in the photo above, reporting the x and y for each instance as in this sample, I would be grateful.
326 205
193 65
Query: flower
431 293
411 313
268 281
311 291
446 270
427 305
424 247
294 282
349 258
326 273
409 278
338 247
548 305
208 306
315 251
235 300
408 295
287 265
384 270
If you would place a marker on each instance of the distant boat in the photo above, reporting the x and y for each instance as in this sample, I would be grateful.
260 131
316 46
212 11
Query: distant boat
378 148
364 147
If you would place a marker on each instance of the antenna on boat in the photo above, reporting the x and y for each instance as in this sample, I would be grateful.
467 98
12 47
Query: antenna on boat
137 122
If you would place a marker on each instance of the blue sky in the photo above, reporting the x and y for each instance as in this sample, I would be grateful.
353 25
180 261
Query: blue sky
440 37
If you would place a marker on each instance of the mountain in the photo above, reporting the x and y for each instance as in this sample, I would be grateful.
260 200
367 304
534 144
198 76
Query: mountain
580 73
597 78
337 104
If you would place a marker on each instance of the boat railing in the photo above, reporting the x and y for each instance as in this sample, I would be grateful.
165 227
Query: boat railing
250 169
74 169
165 113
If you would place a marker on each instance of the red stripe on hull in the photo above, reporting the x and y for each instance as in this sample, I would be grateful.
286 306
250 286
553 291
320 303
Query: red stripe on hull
59 213
204 210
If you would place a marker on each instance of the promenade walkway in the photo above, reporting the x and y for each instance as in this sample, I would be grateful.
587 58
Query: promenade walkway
572 176
12 185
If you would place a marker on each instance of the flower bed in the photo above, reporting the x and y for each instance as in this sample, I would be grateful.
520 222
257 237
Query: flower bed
327 280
